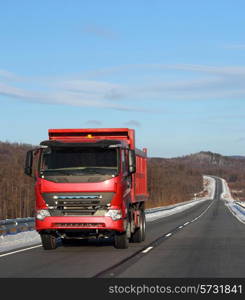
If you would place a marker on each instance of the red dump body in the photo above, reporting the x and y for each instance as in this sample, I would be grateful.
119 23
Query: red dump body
85 203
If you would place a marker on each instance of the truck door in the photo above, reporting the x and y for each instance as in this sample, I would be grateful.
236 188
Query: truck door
126 177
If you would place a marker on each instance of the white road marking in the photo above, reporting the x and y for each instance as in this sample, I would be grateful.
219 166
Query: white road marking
147 249
196 217
205 210
21 250
200 214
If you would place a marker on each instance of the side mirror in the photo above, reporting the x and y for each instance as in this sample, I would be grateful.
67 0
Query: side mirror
28 163
132 161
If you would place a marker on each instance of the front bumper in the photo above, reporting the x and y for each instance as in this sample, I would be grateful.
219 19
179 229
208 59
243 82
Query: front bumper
69 222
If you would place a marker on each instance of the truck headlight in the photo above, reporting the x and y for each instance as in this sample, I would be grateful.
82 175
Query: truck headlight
42 214
115 214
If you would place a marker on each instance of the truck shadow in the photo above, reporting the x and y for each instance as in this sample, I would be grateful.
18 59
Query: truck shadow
101 242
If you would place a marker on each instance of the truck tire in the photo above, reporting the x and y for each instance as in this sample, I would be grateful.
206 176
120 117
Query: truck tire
121 239
144 226
48 241
139 234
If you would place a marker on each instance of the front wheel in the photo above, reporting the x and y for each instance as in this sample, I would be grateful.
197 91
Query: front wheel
48 241
121 239
139 234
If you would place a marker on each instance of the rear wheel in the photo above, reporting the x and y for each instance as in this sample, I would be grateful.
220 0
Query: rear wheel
48 241
143 226
139 234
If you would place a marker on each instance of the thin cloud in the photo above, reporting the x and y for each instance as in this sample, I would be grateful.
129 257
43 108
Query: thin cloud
140 95
94 122
240 140
100 31
132 123
227 70
151 68
87 85
235 46
6 75
92 95
8 90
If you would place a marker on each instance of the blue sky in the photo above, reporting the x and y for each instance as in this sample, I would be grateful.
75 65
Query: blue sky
173 70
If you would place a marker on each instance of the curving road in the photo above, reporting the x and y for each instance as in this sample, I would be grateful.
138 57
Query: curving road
203 241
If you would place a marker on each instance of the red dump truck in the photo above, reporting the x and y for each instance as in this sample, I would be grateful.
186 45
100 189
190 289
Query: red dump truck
89 183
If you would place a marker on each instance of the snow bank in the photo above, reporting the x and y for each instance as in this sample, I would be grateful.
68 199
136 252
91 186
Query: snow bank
226 195
236 208
19 240
209 186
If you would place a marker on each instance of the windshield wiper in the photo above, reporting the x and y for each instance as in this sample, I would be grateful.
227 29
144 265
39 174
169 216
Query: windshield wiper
101 171
83 171
62 172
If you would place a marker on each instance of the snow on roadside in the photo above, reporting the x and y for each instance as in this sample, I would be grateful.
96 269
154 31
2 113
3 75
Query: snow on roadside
31 238
209 187
226 194
19 240
237 210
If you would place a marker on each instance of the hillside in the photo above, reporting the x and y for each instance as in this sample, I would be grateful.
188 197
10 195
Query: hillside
209 159
231 168
171 181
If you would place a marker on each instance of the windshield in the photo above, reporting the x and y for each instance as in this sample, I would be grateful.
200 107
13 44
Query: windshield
68 161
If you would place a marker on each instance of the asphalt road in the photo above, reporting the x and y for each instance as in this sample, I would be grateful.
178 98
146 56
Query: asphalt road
203 241
212 246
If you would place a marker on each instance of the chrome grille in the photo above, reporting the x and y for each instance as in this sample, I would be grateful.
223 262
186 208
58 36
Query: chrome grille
76 204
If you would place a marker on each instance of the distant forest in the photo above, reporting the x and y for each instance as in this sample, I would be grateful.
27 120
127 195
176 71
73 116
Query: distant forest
169 180
16 189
